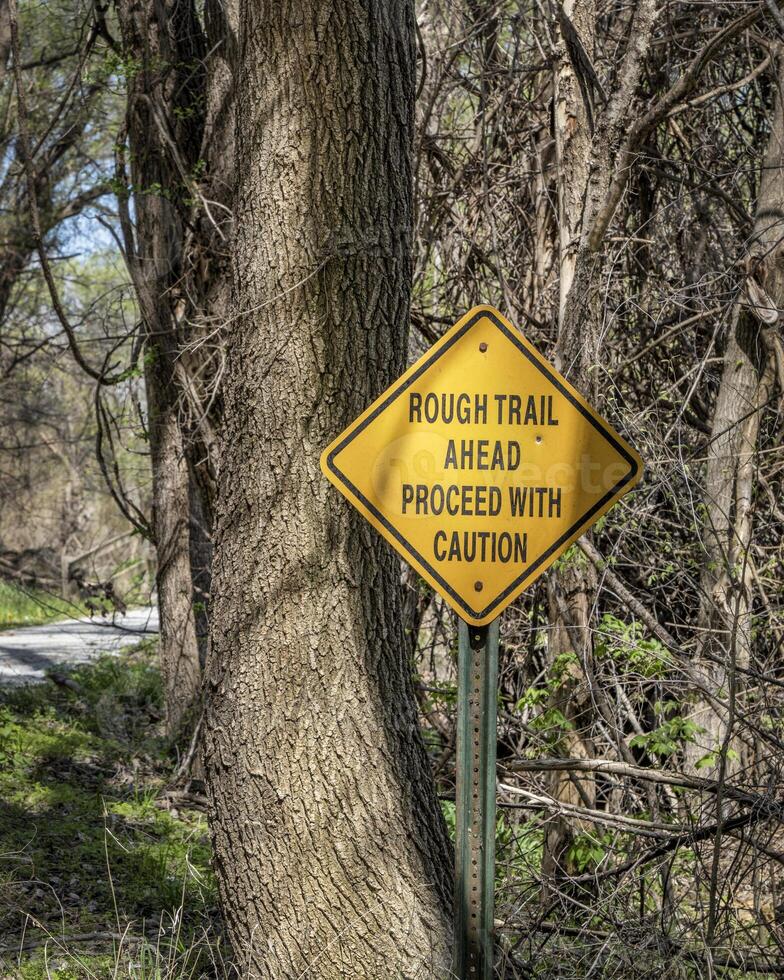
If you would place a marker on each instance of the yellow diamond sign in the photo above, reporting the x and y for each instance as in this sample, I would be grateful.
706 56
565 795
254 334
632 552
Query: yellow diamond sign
481 465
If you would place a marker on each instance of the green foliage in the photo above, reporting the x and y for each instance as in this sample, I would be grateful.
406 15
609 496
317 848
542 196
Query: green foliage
671 735
551 722
555 676
548 717
518 850
587 850
573 557
711 759
449 811
441 694
541 695
88 842
28 607
627 645
518 845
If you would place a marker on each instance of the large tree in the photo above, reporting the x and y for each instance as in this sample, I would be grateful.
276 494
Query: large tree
332 856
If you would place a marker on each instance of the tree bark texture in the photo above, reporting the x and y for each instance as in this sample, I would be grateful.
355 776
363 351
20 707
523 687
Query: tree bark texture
171 526
331 853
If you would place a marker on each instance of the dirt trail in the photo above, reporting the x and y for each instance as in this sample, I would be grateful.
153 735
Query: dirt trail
26 654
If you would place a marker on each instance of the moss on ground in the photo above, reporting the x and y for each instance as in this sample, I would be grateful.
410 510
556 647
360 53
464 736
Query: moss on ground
101 873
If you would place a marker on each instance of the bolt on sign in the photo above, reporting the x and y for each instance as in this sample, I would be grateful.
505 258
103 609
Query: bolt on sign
481 465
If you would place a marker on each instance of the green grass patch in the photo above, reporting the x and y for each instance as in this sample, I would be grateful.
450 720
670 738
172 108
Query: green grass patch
90 845
30 607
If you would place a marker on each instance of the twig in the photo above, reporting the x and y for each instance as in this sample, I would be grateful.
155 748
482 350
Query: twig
62 681
747 960
649 120
646 828
187 760
82 937
611 767
35 217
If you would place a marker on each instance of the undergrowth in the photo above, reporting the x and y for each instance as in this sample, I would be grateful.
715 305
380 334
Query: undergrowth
103 871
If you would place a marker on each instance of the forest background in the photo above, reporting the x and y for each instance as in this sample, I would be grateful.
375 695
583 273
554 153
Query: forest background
224 227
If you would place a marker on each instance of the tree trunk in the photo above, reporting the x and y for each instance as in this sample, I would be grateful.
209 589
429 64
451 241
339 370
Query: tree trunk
331 853
576 353
200 552
726 581
171 527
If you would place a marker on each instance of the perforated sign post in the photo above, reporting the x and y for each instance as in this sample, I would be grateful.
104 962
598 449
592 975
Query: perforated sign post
480 465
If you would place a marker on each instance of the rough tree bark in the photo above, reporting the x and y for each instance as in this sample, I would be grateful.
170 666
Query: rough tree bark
331 853
170 523
726 581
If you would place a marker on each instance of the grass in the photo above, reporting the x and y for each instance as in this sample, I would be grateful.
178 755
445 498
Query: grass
102 873
30 607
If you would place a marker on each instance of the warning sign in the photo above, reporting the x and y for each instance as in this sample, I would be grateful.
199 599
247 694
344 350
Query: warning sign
481 465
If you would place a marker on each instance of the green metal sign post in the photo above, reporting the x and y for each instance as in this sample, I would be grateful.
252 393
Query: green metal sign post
477 710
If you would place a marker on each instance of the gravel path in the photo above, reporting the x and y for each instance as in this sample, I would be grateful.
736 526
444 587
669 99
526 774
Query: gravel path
26 654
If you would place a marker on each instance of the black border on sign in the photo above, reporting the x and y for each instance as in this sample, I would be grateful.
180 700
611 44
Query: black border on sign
398 390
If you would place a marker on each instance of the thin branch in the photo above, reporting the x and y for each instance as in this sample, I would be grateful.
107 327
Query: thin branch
35 217
661 776
638 132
